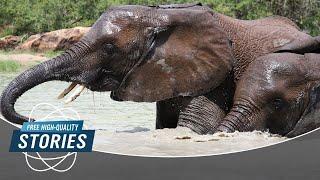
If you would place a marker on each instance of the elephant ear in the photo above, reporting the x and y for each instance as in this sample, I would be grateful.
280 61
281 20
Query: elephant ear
191 57
302 45
292 38
310 118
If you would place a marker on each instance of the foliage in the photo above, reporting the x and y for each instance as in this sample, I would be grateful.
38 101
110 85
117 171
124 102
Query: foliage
34 16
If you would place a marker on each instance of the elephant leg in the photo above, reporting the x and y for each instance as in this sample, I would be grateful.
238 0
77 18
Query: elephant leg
168 111
201 115
204 113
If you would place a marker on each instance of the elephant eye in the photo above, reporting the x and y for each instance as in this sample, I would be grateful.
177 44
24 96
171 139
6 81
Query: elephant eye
278 103
108 49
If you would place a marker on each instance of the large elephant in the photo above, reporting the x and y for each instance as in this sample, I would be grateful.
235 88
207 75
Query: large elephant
183 57
139 53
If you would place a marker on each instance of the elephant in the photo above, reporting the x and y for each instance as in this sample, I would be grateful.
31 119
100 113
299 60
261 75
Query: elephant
279 92
129 48
249 39
185 57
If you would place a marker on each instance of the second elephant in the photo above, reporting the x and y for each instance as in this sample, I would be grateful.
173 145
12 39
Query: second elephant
249 40
279 92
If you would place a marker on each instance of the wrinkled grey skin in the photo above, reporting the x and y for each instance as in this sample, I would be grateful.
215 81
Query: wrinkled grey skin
186 58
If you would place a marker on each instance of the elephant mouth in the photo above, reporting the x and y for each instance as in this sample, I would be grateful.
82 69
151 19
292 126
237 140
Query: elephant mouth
100 85
104 85
107 81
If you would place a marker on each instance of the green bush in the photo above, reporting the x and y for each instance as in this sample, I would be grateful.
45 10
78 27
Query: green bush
34 16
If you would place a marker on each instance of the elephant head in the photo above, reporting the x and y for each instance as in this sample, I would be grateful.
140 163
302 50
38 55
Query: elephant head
139 53
278 92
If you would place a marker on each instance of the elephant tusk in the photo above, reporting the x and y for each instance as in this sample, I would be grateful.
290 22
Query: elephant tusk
67 90
75 95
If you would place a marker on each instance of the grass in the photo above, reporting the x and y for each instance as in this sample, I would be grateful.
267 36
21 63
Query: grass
6 52
51 54
10 66
47 54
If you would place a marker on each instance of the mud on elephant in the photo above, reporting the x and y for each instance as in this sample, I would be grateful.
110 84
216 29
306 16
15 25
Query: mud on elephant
186 58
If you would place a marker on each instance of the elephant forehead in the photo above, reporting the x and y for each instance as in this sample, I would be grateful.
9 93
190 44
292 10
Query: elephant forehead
110 28
112 22
136 13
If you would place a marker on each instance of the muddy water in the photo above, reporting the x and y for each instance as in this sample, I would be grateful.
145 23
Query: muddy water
129 128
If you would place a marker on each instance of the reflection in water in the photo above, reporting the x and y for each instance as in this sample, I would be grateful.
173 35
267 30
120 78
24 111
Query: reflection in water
128 127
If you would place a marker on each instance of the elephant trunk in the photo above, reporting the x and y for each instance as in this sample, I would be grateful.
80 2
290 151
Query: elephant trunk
53 69
242 117
233 122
